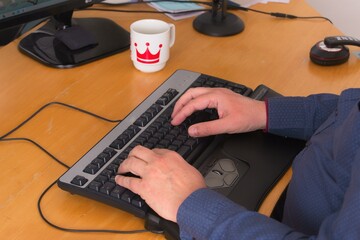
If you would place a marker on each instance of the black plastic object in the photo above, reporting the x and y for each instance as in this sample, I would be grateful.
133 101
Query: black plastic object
324 56
46 44
218 23
9 34
267 156
332 50
341 40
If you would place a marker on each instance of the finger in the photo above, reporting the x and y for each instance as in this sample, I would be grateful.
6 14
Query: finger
134 165
142 153
209 128
130 183
188 96
163 151
199 103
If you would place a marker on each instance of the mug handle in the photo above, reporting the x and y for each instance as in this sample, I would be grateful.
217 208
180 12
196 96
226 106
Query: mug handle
172 34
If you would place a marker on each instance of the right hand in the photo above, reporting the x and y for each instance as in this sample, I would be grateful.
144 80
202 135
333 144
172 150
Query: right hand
236 112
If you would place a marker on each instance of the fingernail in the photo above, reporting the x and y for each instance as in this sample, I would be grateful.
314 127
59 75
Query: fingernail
116 177
192 131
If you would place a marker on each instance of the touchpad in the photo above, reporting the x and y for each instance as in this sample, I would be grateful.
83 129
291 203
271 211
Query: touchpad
223 171
223 174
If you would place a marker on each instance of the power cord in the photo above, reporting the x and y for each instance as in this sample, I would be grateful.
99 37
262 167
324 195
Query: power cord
232 6
4 139
80 230
61 104
278 14
38 145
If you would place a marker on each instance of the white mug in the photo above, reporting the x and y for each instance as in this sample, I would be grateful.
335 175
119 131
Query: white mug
151 41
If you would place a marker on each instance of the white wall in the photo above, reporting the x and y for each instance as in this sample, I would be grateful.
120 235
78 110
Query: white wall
345 14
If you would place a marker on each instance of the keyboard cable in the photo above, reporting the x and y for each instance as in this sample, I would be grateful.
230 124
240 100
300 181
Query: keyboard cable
4 138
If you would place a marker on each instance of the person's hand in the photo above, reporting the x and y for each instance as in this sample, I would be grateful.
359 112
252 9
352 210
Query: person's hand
166 179
236 112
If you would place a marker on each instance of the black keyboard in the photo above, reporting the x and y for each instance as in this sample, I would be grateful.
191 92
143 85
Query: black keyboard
148 125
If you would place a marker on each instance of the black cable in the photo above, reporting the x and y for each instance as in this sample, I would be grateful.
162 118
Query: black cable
230 7
279 15
38 145
57 103
52 184
3 139
80 230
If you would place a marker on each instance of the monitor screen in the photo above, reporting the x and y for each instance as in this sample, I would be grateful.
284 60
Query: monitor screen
63 42
15 12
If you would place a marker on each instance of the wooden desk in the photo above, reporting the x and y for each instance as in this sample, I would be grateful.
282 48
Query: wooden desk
271 51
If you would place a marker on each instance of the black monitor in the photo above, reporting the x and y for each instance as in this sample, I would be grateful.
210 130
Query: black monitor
63 42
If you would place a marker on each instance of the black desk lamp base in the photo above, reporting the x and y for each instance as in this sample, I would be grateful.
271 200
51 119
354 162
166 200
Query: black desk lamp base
218 26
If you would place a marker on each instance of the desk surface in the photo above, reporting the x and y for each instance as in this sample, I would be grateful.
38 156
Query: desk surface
271 51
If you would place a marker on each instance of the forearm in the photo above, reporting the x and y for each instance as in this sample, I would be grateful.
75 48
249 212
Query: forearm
299 117
208 215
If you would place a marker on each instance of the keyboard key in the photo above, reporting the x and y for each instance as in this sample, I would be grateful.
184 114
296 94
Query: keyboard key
110 152
173 92
129 132
127 196
169 137
101 179
156 107
165 143
153 112
104 156
124 138
91 168
138 201
98 162
177 143
134 129
107 173
182 138
149 145
192 143
79 180
117 191
107 188
95 186
141 122
153 141
117 144
140 140
113 168
173 147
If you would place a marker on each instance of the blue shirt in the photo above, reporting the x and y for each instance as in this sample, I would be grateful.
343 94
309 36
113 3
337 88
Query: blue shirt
323 197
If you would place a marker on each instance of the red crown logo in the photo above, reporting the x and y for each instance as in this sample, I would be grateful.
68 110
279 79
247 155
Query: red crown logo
147 57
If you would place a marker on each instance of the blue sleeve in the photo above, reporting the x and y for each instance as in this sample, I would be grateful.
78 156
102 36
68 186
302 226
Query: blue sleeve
206 214
299 117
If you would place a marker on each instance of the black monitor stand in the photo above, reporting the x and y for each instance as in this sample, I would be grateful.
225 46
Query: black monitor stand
218 22
64 42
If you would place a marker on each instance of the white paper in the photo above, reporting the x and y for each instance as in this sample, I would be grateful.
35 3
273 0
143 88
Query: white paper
248 3
177 8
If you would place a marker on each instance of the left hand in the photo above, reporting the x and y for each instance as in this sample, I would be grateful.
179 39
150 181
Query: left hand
166 179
